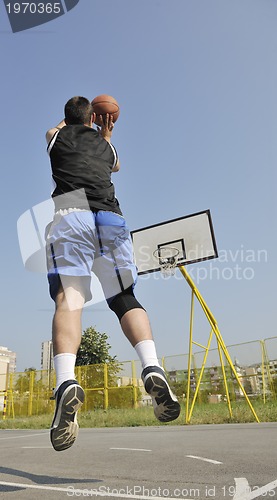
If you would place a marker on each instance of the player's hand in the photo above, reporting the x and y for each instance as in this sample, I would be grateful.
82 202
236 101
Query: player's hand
106 126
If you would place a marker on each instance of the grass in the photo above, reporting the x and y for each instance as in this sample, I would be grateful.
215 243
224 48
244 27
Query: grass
202 414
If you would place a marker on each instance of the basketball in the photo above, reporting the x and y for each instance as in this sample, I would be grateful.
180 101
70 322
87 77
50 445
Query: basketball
103 104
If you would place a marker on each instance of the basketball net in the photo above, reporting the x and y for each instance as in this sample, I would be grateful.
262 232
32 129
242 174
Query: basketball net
167 258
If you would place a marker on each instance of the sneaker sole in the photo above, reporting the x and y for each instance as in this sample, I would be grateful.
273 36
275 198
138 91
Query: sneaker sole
165 404
64 429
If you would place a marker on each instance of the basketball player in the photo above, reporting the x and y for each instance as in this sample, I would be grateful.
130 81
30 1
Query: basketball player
88 233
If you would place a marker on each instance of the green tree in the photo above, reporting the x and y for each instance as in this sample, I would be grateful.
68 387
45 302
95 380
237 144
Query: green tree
22 381
94 348
92 355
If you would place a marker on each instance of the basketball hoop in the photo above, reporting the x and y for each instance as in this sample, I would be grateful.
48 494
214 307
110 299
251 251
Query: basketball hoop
167 258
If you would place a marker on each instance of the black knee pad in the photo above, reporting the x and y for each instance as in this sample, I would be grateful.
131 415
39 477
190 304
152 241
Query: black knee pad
124 302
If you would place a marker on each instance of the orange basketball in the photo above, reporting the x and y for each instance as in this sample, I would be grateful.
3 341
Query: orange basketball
103 104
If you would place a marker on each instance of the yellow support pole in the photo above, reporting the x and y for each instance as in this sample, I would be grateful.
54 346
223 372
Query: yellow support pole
269 376
190 355
263 371
106 391
225 380
217 333
134 384
195 371
10 399
31 393
200 376
226 353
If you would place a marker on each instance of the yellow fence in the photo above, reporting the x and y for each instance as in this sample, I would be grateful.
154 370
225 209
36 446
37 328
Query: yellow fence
120 386
106 386
255 363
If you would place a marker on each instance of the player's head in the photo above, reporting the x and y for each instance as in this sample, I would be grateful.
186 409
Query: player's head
78 111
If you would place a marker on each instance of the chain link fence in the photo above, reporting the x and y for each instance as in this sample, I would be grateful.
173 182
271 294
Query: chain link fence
255 363
118 385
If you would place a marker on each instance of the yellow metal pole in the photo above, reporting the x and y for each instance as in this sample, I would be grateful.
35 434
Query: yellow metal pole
31 393
200 375
195 371
270 381
214 326
106 392
263 374
213 323
190 355
134 384
10 400
225 379
226 353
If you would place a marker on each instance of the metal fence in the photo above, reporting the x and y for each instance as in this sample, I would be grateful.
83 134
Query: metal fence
255 363
119 385
106 386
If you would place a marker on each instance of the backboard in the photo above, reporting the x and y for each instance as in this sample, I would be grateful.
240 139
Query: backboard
192 235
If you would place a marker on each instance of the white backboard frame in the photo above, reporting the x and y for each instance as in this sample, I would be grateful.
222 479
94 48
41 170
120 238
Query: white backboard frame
192 235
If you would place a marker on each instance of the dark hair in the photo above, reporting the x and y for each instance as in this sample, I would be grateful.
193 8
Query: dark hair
78 110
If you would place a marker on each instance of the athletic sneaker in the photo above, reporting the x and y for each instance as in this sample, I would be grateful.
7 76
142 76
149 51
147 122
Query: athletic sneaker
64 429
165 403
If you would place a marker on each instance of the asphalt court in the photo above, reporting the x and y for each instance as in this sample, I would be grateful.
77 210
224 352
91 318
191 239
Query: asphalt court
234 461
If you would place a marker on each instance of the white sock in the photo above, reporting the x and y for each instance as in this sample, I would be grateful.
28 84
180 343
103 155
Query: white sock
146 352
64 365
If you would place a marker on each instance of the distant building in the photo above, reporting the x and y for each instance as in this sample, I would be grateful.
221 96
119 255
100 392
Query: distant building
215 379
273 367
255 385
47 360
9 357
7 365
266 375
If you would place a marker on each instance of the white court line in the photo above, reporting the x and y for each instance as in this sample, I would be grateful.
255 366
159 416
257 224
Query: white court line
130 449
36 447
92 492
242 486
205 459
243 489
24 436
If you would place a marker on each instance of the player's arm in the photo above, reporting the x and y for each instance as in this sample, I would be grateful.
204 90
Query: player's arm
106 131
52 131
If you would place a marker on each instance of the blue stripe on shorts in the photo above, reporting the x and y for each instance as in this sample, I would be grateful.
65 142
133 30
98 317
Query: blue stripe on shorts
83 242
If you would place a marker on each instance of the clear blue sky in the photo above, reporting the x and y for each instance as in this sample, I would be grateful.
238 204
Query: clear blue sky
196 81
